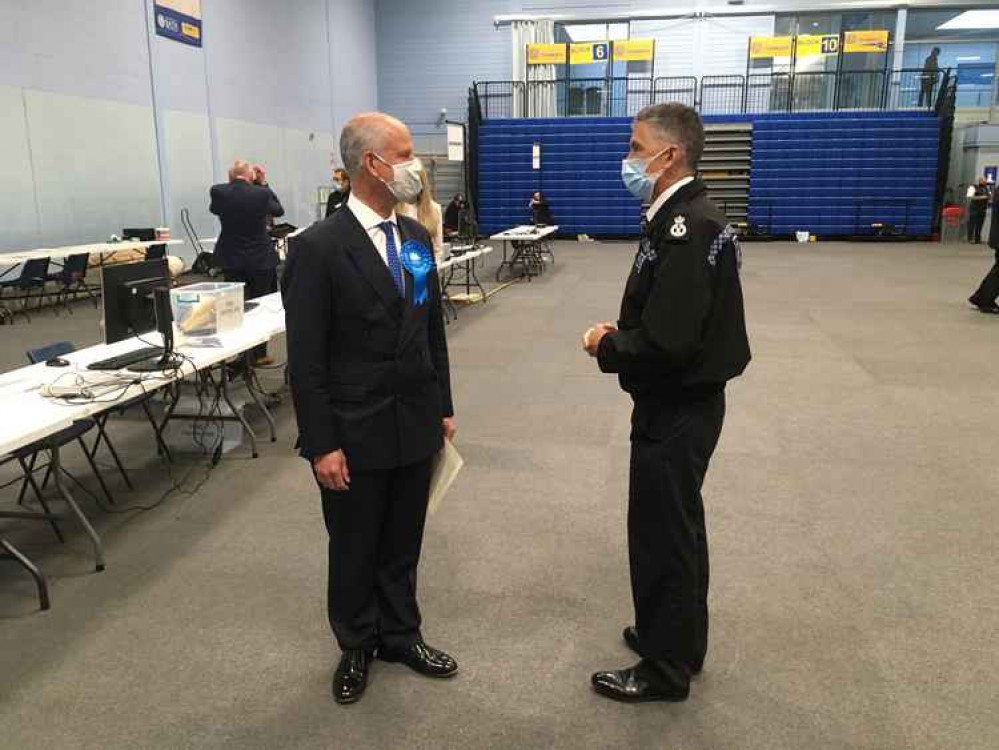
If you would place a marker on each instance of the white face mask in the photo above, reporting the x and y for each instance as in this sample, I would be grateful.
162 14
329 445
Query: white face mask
405 185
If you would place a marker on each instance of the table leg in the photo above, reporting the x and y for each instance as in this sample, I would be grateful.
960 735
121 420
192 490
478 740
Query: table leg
64 492
249 377
238 414
24 562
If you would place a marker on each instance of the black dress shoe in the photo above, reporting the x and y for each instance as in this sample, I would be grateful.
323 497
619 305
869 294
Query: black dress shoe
421 658
986 307
645 682
351 676
630 635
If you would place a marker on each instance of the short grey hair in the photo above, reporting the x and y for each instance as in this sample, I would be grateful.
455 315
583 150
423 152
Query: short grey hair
365 132
680 123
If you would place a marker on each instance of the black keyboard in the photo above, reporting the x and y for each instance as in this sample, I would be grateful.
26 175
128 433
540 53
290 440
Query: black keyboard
121 361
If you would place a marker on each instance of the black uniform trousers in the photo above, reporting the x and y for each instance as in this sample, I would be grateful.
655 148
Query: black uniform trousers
976 220
259 282
667 538
375 536
988 290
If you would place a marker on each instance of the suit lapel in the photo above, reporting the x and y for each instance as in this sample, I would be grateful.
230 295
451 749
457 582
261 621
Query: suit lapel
370 265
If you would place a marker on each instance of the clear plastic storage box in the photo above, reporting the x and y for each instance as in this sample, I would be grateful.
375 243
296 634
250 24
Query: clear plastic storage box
207 308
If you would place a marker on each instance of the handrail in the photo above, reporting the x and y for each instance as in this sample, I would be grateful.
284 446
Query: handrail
751 93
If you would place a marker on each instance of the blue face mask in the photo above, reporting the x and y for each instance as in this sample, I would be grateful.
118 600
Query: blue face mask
639 183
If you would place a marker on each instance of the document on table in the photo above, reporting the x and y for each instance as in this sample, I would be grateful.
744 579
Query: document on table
447 464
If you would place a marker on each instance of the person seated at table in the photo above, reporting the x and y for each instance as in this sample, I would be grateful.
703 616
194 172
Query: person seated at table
427 211
541 213
454 218
341 191
245 251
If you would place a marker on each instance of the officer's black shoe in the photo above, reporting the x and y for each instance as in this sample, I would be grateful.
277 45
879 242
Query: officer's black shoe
986 307
630 636
423 659
351 676
645 682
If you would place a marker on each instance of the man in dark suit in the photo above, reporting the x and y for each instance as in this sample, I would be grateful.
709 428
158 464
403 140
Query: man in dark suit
340 192
245 251
985 296
371 384
929 77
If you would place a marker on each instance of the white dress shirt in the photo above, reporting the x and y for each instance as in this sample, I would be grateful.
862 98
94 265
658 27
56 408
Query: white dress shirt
371 222
665 196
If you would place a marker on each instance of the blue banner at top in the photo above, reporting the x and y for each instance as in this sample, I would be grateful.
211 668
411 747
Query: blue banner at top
173 24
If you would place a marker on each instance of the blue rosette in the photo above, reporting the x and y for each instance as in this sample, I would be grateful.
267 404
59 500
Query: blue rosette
419 261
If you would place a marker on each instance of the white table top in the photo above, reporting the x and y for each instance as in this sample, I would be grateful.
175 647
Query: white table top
464 257
29 416
525 232
98 248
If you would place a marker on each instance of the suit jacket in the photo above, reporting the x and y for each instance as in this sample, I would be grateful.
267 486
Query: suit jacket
369 369
243 208
335 200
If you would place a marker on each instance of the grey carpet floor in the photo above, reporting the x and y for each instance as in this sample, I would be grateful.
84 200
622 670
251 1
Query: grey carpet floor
852 512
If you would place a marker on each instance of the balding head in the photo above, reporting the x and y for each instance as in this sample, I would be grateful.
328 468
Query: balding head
370 131
241 170
371 144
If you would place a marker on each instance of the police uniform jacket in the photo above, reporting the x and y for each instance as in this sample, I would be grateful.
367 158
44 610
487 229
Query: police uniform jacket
682 330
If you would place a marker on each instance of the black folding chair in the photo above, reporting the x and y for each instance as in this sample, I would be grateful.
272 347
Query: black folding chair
34 274
73 280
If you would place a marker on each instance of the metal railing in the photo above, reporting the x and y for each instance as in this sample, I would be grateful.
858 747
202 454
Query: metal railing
754 93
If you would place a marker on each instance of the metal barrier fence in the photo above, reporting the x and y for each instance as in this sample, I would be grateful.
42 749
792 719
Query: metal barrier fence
712 95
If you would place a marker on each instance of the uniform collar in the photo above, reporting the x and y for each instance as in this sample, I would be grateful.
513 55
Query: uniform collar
367 216
665 196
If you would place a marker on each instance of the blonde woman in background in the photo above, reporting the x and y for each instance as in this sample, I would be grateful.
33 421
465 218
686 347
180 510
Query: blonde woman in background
427 211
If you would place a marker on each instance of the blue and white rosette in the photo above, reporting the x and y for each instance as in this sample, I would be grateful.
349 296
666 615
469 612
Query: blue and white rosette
419 261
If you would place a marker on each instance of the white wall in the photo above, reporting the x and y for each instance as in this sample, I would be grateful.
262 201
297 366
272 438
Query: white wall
78 139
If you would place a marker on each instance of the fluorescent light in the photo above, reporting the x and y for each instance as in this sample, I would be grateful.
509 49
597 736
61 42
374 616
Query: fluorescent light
969 58
972 19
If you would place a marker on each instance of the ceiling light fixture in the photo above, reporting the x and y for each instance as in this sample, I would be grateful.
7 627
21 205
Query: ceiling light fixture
978 20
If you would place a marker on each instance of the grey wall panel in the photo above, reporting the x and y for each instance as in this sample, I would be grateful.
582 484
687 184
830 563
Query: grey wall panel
430 51
95 166
18 217
268 61
90 48
353 63
307 166
189 164
180 79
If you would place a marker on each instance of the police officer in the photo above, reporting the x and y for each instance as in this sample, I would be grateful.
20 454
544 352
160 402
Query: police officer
681 336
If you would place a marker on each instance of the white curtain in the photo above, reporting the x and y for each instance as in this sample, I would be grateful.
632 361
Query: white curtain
538 100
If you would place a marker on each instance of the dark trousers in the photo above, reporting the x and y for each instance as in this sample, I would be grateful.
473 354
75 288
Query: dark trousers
988 290
376 533
926 93
976 221
667 537
258 283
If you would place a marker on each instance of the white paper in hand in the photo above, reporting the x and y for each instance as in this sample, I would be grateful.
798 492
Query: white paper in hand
447 464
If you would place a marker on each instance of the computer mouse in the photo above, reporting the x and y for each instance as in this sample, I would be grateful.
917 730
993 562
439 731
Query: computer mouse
57 362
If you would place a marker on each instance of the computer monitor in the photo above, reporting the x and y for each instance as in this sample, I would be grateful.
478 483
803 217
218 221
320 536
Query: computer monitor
143 234
127 296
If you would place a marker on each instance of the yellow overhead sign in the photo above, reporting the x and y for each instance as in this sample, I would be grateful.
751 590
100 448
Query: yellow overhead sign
584 53
546 54
865 41
762 47
634 50
816 45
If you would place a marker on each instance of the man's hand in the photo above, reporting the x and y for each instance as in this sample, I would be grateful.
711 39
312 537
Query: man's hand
593 336
332 472
450 428
259 175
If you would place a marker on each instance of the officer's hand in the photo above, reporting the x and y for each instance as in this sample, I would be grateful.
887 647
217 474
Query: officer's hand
450 428
594 335
332 472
